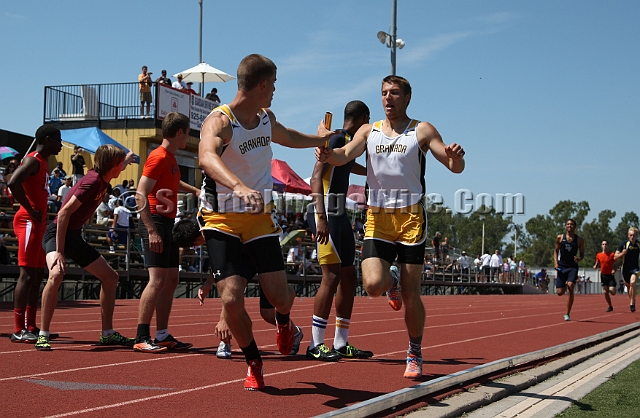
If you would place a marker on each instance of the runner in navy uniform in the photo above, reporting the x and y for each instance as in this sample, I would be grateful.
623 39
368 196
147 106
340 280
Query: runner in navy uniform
565 261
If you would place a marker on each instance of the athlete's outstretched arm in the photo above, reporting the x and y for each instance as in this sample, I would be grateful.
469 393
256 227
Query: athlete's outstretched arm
451 156
351 151
215 132
291 138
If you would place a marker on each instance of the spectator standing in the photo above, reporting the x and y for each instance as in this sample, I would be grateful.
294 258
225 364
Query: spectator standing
144 84
463 262
189 89
78 164
522 269
445 247
435 242
486 267
179 84
163 79
495 263
213 96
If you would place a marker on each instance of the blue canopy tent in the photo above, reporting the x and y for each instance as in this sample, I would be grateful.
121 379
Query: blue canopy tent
90 139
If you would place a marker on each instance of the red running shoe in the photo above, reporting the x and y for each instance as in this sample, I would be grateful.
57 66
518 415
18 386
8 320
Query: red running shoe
254 379
284 338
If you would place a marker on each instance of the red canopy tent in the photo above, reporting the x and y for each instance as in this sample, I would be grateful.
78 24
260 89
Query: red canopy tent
293 183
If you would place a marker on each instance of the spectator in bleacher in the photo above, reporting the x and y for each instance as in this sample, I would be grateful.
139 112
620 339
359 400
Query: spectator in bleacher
435 242
78 164
522 269
163 79
144 84
189 89
486 267
63 238
9 169
179 84
122 187
63 173
495 263
29 225
131 185
445 247
64 189
119 232
213 96
104 212
55 181
112 199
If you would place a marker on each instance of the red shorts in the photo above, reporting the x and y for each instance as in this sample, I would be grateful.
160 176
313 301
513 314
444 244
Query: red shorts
29 234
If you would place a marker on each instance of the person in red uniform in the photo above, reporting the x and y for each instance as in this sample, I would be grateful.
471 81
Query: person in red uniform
63 239
28 185
157 195
606 260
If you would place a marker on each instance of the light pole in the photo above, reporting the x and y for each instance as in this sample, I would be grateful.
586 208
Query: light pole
390 40
482 219
515 242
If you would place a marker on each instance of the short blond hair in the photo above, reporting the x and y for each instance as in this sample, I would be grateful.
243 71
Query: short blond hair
634 229
108 156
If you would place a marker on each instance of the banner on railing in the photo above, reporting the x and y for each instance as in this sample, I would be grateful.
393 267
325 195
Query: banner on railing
194 106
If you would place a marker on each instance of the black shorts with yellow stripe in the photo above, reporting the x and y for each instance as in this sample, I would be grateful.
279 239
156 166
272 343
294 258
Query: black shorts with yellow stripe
341 247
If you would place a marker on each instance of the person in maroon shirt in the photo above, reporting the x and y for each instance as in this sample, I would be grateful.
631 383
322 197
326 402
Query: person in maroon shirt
28 185
63 239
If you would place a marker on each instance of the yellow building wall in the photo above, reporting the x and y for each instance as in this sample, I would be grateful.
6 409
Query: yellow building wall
137 140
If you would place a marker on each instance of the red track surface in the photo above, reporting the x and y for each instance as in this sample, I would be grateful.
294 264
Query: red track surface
461 332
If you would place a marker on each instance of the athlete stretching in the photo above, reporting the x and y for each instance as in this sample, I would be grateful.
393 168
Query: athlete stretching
396 218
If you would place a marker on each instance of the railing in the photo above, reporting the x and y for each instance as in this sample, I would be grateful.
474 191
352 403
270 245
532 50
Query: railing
94 102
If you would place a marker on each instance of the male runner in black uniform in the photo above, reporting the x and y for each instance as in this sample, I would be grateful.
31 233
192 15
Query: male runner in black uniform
630 251
565 261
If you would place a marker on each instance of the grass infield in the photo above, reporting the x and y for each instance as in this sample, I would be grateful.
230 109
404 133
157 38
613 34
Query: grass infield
618 397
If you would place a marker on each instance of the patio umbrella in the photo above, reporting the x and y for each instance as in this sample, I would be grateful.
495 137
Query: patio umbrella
292 236
204 73
7 152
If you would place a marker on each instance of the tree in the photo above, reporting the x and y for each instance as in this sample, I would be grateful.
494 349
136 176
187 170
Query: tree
595 231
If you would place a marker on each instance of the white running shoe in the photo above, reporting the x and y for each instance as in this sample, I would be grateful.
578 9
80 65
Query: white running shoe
224 350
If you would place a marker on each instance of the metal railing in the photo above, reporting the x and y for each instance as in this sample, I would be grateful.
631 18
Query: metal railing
94 102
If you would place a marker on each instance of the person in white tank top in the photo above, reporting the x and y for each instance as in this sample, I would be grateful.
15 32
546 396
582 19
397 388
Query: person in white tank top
396 147
250 231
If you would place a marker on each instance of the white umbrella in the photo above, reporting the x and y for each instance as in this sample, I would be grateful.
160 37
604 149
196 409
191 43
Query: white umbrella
204 73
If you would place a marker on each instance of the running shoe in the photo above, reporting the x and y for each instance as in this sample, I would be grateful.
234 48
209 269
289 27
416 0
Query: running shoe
284 338
297 338
43 343
224 350
350 351
393 294
254 379
52 336
24 336
172 344
116 339
610 309
632 307
146 345
321 352
414 367
567 318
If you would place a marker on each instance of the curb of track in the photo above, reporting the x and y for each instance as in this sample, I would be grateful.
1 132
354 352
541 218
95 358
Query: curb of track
399 397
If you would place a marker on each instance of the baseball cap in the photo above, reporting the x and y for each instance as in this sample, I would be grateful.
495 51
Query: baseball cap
189 83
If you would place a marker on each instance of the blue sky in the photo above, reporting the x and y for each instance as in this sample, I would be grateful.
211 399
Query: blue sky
544 95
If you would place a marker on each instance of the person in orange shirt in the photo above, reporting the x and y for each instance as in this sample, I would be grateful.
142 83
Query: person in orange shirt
145 83
157 195
605 260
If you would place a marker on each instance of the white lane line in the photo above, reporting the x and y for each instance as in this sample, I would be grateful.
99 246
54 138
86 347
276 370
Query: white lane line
532 406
